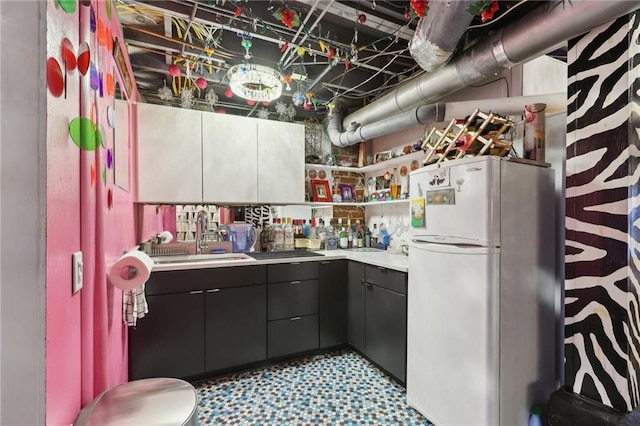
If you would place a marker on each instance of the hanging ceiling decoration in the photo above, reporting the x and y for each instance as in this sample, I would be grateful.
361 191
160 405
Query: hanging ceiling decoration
255 82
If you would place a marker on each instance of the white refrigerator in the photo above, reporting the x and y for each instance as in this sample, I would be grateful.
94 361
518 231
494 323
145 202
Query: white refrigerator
480 333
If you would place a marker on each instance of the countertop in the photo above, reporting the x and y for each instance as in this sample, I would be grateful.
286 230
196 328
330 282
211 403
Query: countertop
383 258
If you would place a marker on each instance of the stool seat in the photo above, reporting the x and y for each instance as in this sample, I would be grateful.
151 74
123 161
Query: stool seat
156 401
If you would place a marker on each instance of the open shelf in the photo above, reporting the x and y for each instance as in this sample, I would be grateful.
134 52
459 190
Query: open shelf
367 204
383 165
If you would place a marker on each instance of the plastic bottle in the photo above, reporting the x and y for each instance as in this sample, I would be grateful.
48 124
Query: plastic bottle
535 418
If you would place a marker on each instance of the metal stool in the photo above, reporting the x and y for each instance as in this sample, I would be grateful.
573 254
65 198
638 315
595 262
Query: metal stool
158 401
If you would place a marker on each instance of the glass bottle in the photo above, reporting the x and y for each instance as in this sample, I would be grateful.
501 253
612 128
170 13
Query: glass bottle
289 243
394 184
359 236
264 236
278 236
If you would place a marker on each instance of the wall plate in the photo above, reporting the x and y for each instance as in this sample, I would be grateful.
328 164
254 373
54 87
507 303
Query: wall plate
76 283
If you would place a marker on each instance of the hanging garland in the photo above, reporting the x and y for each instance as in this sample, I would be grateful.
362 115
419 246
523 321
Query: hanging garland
485 8
289 17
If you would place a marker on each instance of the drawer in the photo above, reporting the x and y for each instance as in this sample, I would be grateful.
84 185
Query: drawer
388 278
203 279
295 298
294 271
292 335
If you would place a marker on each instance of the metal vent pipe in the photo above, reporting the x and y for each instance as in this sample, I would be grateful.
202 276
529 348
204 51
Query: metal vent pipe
546 28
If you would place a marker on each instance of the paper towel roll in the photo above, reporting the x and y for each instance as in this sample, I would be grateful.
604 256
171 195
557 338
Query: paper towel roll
130 270
165 237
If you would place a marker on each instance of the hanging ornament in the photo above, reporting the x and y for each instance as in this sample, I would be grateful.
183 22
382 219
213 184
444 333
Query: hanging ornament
251 102
323 46
247 45
284 46
174 70
263 29
331 54
186 97
362 18
307 106
287 80
281 108
266 103
263 114
301 50
297 98
238 12
221 110
228 93
347 64
211 98
201 83
419 7
164 93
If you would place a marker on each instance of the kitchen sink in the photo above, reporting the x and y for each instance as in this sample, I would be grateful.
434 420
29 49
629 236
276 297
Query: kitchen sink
283 254
201 258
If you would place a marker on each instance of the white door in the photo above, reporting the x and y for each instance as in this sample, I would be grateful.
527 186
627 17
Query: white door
462 201
452 333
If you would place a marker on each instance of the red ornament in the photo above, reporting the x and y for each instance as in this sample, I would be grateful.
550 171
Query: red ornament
201 83
251 102
419 6
284 46
221 110
174 70
228 93
362 18
238 12
407 13
331 54
266 103
307 106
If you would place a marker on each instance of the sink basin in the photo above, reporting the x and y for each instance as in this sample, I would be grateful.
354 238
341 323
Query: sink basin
201 258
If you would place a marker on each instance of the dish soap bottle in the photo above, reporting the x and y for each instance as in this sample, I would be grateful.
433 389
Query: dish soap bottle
534 419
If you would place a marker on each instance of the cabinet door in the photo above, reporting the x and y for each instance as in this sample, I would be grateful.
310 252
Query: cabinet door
292 335
386 335
333 303
280 162
356 306
169 154
229 158
169 340
236 326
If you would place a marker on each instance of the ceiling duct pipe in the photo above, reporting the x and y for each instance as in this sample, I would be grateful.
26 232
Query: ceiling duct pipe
438 33
544 29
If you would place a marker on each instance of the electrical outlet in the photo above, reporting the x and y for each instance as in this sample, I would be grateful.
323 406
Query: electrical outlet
76 284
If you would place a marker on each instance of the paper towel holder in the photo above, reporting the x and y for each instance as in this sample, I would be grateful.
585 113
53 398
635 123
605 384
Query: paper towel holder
128 272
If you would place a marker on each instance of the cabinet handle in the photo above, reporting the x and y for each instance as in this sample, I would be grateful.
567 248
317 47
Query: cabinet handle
294 263
196 292
325 262
295 282
363 282
215 290
295 318
381 268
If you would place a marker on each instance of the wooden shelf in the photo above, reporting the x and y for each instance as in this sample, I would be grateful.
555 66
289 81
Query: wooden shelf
383 165
367 204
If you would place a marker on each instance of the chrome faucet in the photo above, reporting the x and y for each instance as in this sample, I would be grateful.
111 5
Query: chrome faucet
202 227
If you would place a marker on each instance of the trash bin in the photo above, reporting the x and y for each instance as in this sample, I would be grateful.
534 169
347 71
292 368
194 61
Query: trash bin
153 401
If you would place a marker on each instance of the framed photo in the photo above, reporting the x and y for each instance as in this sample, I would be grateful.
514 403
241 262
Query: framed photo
346 191
382 156
121 63
320 191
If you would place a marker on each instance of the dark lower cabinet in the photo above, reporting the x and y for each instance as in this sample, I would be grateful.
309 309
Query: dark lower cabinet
169 341
333 303
377 306
235 326
292 335
386 334
356 306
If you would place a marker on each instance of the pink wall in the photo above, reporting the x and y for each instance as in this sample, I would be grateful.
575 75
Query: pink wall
84 357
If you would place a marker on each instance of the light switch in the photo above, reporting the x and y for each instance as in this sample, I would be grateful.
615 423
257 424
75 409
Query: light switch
76 284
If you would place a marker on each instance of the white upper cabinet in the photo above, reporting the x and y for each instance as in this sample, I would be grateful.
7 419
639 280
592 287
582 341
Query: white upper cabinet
280 162
229 158
169 154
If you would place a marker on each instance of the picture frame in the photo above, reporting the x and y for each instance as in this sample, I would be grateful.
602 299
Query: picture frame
121 64
320 191
382 156
346 191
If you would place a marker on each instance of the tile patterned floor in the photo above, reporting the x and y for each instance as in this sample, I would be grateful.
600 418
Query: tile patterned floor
338 388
